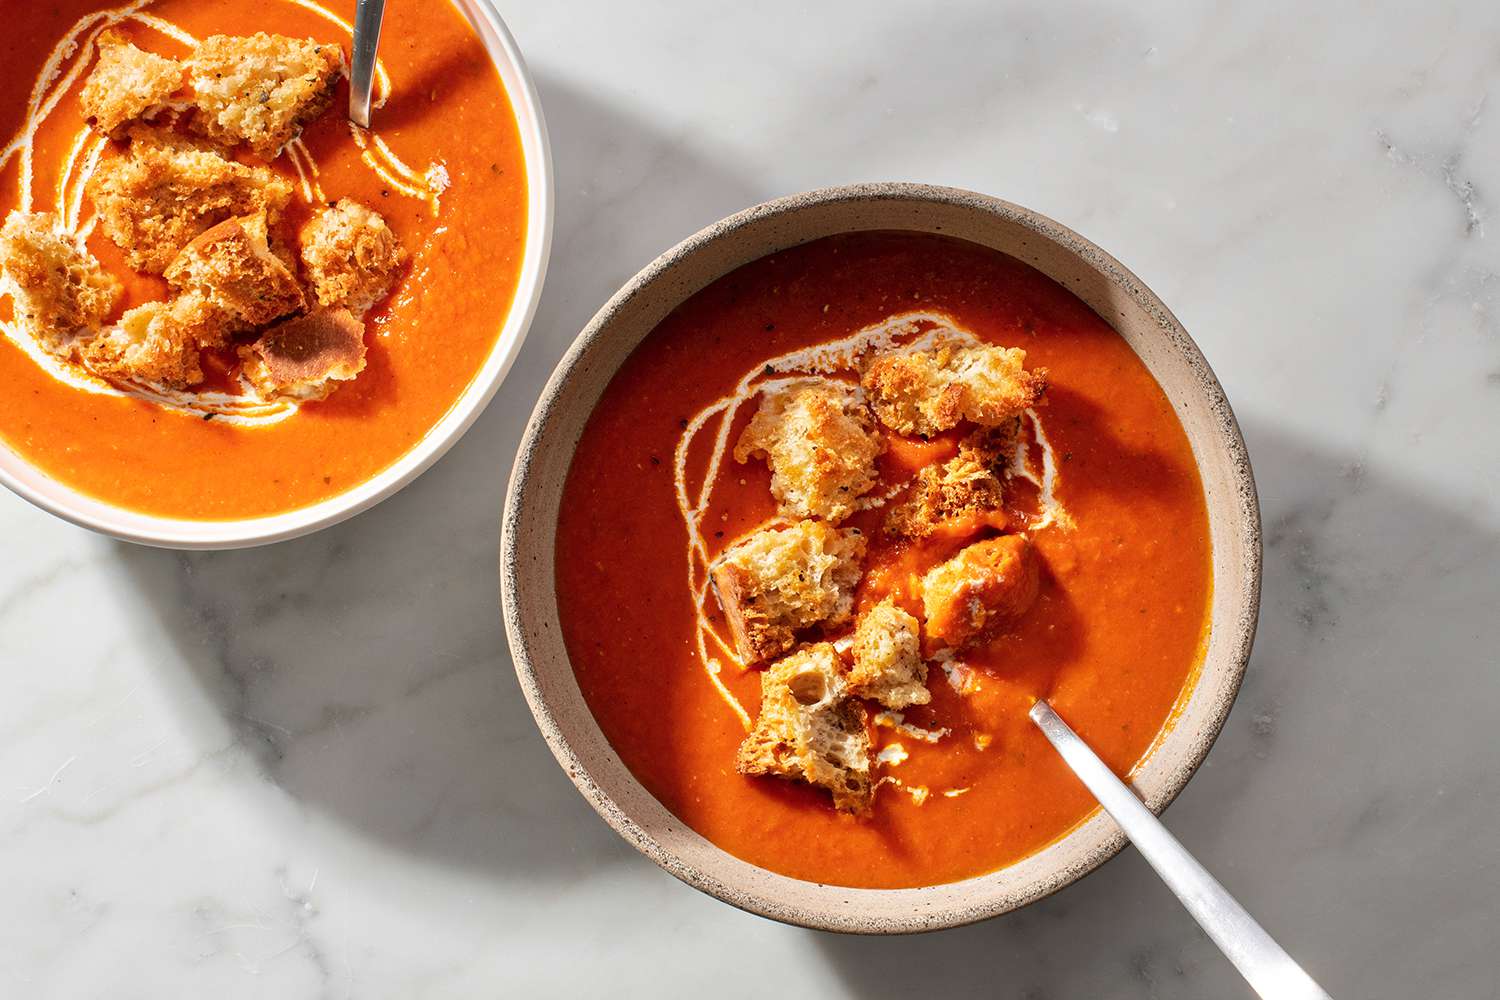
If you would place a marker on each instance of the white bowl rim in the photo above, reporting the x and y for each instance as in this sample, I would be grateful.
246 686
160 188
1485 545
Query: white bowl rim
73 505
1102 838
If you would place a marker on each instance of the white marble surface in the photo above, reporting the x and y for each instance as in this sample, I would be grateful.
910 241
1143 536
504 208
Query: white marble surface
307 771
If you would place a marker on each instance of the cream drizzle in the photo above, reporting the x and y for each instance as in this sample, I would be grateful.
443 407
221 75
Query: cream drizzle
70 56
897 721
307 171
165 27
918 793
903 332
376 155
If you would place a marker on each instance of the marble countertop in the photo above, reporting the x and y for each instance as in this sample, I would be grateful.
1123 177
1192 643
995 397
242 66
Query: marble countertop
307 770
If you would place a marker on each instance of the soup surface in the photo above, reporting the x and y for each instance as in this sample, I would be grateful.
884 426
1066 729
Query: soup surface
447 117
965 784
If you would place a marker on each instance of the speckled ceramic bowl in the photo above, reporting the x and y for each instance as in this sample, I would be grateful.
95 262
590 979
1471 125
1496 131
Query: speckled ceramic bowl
526 558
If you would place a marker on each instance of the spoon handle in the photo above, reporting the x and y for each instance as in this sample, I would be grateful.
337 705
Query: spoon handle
1268 969
368 14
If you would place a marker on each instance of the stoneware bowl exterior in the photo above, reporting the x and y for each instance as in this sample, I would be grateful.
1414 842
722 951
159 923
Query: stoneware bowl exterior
47 493
535 492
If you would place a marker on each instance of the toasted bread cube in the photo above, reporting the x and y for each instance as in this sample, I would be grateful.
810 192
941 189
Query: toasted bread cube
960 497
159 342
351 256
807 731
817 438
306 357
924 392
127 84
263 88
777 581
888 665
233 266
59 289
980 591
155 199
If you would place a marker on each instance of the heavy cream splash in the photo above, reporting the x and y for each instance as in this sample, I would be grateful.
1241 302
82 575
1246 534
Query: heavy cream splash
61 72
905 332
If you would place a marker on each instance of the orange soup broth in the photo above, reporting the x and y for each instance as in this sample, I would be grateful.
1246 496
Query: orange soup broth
425 344
1113 640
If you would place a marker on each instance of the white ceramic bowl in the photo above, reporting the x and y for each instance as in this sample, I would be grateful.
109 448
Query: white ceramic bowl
54 497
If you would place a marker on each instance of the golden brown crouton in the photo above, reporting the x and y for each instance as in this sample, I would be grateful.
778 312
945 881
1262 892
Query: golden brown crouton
263 88
984 588
233 266
306 357
164 192
818 441
167 139
959 497
924 392
888 665
808 732
351 256
159 342
58 287
777 581
127 84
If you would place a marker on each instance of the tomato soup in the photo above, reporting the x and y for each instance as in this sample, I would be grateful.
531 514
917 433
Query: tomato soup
447 116
1113 641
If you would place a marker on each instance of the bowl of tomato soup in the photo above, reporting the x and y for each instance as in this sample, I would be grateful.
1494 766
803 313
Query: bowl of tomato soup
652 494
455 170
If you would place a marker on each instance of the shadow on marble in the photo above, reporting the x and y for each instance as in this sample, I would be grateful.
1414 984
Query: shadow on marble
366 666
1373 595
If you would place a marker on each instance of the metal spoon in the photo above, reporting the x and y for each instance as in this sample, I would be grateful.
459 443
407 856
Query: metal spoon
367 17
1268 969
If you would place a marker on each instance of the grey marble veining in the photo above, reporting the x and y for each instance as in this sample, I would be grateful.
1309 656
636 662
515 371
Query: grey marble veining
306 770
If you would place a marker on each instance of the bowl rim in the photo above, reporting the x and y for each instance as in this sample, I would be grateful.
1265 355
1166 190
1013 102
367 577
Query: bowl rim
1110 839
40 489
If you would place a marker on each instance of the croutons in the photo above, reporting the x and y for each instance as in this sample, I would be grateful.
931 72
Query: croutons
127 84
778 581
306 357
159 342
807 731
817 438
233 266
58 287
163 193
888 665
351 256
959 497
924 392
262 89
984 588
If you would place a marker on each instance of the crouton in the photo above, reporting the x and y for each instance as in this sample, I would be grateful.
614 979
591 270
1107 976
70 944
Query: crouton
262 89
127 84
233 266
167 139
924 392
983 589
888 665
306 357
808 732
164 192
159 342
351 256
778 581
58 288
959 497
818 440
